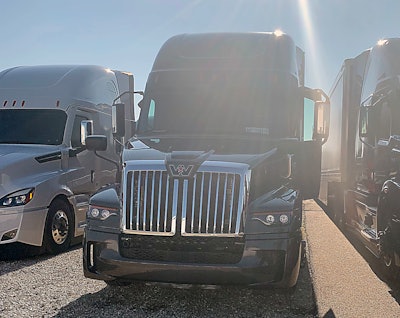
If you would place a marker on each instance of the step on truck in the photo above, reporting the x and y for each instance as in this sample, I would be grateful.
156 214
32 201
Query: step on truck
212 182
360 161
47 174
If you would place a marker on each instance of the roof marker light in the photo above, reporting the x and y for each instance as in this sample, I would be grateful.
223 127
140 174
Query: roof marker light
58 103
5 103
14 102
382 42
278 32
23 103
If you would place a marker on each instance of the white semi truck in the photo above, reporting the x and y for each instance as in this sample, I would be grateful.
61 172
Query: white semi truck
46 173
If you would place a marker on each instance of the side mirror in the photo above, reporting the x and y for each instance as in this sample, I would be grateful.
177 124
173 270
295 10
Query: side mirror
86 130
96 143
321 120
118 120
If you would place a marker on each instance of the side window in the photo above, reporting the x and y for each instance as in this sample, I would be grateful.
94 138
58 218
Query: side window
76 132
151 114
147 115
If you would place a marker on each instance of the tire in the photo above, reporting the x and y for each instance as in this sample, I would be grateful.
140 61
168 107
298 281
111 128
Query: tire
390 269
59 227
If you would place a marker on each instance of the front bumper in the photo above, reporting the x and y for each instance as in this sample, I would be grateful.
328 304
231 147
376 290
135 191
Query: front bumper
273 260
27 225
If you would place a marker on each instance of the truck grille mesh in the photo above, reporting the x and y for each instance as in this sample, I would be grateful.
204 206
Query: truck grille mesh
211 203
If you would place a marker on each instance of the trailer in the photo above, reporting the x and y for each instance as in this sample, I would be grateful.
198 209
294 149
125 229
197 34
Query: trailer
360 161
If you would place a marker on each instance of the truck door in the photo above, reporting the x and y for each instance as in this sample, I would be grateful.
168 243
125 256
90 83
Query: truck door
87 172
81 177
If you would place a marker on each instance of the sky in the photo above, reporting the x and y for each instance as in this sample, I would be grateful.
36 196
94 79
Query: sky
127 34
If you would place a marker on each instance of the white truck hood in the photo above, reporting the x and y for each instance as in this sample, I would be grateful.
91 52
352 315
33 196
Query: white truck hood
24 166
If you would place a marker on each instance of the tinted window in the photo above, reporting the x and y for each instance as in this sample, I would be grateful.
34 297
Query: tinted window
222 102
32 126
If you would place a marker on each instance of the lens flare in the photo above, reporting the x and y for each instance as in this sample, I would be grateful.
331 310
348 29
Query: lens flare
312 51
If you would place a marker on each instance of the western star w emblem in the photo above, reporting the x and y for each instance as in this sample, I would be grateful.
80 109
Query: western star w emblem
180 170
184 164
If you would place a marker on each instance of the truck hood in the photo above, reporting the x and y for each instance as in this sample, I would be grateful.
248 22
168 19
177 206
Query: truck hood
23 166
151 150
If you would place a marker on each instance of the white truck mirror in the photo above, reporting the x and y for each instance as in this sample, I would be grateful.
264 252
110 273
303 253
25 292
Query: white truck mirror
118 120
86 130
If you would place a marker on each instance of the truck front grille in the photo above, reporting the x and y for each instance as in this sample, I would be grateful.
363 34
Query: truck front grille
211 203
182 249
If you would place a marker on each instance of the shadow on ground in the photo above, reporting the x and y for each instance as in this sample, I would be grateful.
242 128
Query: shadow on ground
151 300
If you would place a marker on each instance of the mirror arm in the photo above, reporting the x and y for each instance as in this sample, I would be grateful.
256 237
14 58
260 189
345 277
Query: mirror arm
365 143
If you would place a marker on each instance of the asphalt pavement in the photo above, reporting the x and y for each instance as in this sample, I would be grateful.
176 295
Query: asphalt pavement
344 283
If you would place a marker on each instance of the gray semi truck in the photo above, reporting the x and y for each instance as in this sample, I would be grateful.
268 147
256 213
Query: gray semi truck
227 146
46 173
360 161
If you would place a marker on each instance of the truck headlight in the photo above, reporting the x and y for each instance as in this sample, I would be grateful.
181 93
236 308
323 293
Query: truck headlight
100 213
18 198
273 218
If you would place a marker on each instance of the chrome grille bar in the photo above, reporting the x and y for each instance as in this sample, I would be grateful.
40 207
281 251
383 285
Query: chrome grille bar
209 204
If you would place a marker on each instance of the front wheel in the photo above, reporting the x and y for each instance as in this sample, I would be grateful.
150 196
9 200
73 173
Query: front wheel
390 268
59 227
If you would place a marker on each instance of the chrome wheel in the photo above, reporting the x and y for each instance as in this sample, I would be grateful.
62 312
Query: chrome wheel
60 227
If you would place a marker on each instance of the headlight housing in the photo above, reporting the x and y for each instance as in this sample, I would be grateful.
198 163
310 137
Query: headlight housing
273 218
100 213
17 198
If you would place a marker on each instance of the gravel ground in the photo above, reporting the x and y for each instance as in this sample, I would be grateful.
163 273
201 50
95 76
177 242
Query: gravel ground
54 286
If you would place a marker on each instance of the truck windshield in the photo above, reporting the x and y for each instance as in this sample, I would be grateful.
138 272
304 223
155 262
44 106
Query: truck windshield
234 105
32 126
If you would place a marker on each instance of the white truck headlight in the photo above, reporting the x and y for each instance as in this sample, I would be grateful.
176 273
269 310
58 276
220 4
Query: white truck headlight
18 198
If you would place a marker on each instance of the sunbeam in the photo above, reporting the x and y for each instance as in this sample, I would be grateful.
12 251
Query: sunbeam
314 68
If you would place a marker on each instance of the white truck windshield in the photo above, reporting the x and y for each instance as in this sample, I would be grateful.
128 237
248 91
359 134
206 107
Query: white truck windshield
32 126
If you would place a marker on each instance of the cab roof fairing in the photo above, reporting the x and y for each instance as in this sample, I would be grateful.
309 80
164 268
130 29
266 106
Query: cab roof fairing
383 63
90 83
252 50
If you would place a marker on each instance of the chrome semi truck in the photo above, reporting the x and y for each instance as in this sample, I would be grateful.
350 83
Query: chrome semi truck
46 173
360 161
226 147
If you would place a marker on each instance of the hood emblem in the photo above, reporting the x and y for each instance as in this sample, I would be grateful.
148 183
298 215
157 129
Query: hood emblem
184 164
180 170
